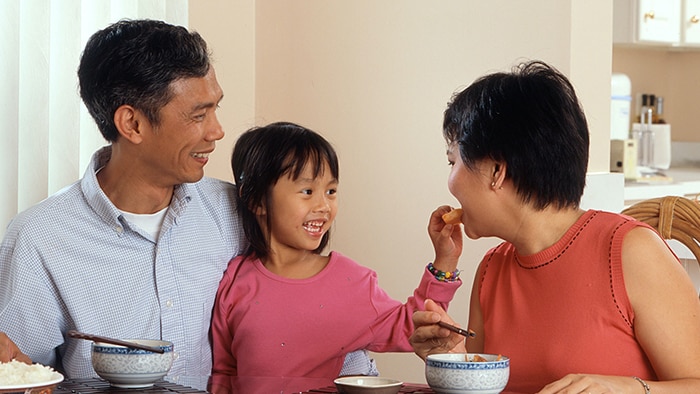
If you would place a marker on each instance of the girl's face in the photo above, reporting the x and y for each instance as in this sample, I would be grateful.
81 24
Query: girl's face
471 187
302 210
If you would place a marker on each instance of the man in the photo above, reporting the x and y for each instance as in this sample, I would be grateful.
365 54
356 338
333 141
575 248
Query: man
136 248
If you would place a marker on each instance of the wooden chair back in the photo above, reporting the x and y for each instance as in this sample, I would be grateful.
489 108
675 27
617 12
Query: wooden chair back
673 217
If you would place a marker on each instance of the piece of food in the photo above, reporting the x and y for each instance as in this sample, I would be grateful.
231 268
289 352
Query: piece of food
479 359
453 217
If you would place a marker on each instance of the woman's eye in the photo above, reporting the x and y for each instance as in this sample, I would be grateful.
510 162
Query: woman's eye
450 163
332 191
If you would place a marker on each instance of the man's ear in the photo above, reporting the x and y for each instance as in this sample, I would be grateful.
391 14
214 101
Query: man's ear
129 123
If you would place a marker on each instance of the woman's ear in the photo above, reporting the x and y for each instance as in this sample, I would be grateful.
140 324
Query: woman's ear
499 174
129 122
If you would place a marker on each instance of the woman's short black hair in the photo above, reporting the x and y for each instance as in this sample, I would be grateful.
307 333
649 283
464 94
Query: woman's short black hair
261 156
530 119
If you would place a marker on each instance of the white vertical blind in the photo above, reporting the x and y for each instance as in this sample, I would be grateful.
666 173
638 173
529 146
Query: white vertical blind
47 134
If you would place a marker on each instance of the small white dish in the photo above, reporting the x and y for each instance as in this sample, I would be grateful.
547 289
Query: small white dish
40 387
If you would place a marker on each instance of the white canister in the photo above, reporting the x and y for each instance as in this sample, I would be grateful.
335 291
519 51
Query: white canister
620 103
660 144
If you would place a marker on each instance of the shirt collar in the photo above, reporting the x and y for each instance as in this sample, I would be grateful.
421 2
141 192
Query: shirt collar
103 206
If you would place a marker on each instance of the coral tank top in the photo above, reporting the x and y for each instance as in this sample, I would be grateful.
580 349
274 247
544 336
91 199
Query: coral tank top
565 309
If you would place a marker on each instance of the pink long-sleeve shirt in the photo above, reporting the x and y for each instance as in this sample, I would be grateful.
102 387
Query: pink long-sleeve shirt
277 335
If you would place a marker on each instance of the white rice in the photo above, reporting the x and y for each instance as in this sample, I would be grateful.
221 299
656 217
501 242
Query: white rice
18 373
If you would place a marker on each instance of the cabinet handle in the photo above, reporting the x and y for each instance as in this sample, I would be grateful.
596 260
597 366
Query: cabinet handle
694 19
648 15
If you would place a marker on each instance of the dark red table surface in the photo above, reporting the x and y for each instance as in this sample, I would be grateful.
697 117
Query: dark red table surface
88 386
407 388
94 386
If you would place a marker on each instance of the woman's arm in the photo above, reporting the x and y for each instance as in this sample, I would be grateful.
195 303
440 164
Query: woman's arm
667 311
666 323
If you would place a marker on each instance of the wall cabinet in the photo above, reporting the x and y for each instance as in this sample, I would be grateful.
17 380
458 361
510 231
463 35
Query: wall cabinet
663 23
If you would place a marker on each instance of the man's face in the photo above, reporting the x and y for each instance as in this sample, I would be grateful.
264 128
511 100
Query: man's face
176 150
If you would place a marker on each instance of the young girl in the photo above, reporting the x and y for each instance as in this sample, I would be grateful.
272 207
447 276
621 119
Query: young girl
287 317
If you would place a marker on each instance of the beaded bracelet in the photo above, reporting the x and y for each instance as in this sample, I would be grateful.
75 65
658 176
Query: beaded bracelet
443 276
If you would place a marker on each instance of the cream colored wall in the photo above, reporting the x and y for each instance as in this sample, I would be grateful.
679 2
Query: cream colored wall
374 78
229 28
668 73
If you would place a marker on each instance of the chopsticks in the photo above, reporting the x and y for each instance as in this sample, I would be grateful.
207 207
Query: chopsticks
467 333
113 341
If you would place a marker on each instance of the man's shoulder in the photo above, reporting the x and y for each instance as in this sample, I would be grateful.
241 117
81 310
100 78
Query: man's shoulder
54 205
214 196
44 216
212 191
208 184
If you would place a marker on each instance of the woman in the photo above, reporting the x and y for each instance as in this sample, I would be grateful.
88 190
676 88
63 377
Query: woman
581 301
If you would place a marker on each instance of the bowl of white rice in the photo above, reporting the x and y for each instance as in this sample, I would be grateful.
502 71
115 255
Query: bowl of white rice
18 377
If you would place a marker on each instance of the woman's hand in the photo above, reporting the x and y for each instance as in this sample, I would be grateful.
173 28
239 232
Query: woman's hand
429 338
593 384
9 351
447 240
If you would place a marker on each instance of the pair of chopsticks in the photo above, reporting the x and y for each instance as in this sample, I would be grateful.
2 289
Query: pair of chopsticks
113 341
467 333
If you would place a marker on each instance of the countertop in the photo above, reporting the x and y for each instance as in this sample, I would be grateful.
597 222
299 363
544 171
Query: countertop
684 181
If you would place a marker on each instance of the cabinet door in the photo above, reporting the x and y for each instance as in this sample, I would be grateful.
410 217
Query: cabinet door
659 21
691 22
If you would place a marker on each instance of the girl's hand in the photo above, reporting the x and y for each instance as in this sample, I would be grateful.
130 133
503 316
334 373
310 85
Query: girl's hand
446 239
429 338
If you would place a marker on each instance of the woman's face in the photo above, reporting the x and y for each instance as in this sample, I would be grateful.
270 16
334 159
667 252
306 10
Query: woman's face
472 188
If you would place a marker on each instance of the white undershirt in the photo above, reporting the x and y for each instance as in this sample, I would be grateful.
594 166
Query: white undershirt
148 222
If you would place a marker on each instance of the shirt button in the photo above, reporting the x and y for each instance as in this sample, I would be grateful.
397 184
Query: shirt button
169 303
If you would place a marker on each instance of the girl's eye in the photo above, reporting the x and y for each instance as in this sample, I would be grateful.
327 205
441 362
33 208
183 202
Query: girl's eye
332 191
306 191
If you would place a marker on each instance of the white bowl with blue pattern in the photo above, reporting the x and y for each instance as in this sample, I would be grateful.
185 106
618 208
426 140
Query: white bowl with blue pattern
132 368
452 373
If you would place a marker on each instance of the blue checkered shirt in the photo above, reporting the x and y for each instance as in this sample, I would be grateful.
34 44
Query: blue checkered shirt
74 262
